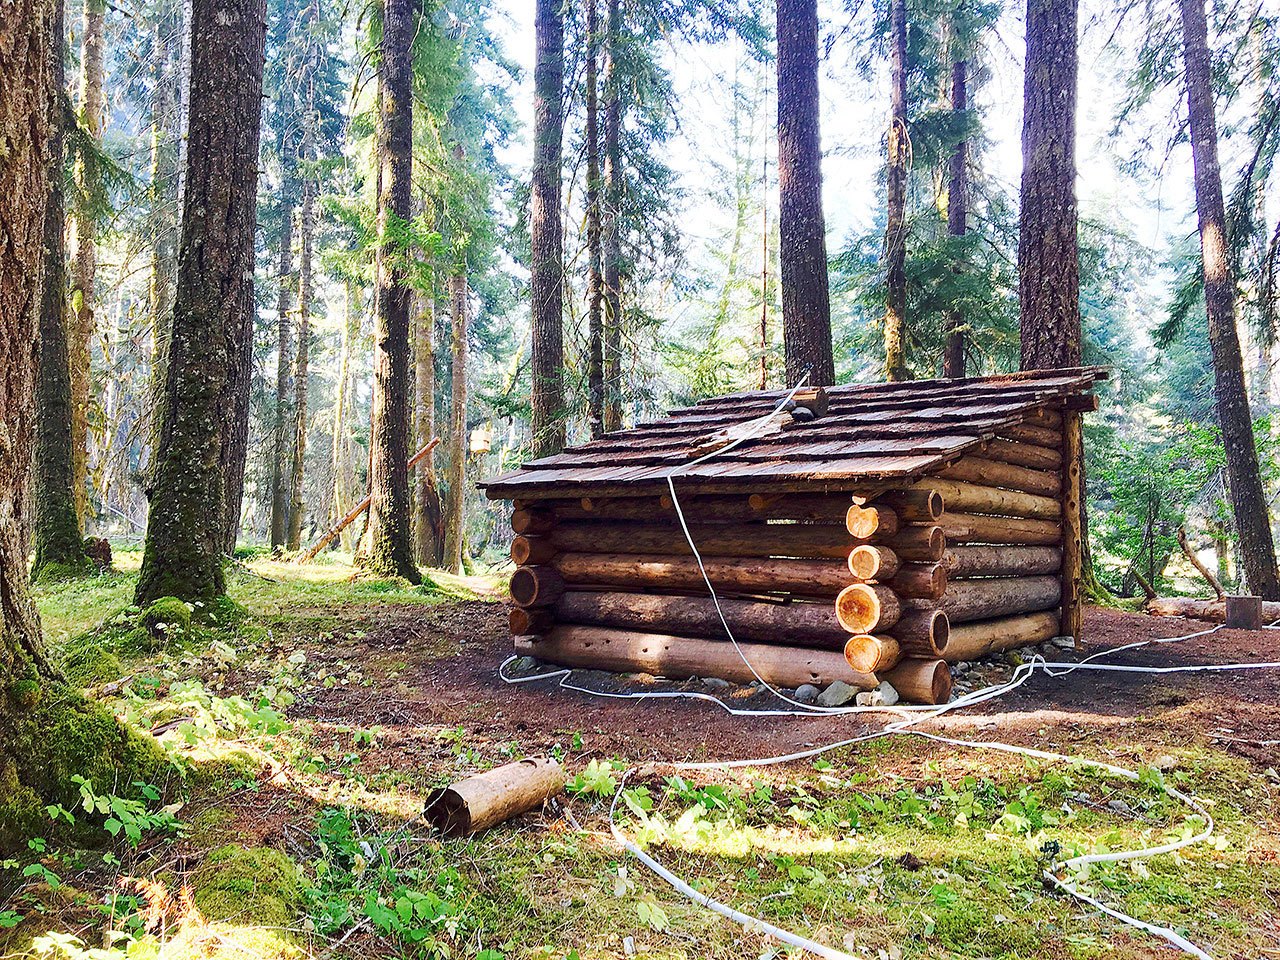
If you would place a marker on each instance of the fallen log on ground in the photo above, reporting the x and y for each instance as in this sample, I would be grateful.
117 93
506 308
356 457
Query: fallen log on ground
1214 611
492 797
359 508
663 655
788 624
971 641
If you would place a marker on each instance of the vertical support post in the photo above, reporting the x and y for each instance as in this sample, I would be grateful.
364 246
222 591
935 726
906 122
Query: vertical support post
1072 531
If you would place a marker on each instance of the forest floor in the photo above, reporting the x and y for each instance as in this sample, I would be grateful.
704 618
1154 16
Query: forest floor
310 730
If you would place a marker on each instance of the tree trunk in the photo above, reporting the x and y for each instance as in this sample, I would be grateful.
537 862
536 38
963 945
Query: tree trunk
595 255
85 257
611 226
284 360
1048 260
454 513
546 283
299 431
59 544
208 370
1248 500
48 732
390 541
429 515
806 307
895 231
343 473
957 212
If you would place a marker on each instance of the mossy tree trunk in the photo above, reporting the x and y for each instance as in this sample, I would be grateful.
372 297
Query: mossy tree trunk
284 359
343 470
58 541
428 534
390 547
208 362
48 732
895 231
455 511
303 358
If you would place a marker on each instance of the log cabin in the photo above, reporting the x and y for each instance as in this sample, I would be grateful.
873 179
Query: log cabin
855 533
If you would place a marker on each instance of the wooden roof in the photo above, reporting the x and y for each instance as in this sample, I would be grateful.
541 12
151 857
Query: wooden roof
871 432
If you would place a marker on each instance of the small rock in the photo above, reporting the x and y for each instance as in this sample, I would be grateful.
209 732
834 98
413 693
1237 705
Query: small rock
888 694
716 683
802 414
629 946
524 665
1164 763
1120 807
807 693
1048 649
1079 797
1064 643
837 695
869 698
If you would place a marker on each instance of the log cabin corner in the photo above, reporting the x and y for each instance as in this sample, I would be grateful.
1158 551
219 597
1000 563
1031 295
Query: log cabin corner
856 533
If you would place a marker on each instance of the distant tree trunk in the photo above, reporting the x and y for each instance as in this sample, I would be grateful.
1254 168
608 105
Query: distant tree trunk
1248 502
806 307
764 279
207 374
611 227
595 279
299 431
895 231
957 212
455 512
390 541
546 284
163 198
58 541
429 519
343 472
284 367
1048 258
85 255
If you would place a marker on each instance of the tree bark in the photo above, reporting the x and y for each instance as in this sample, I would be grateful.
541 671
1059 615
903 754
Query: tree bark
455 512
806 307
1048 258
85 255
953 364
595 255
895 231
429 514
284 355
302 363
546 290
343 472
58 541
389 535
611 226
208 369
1248 501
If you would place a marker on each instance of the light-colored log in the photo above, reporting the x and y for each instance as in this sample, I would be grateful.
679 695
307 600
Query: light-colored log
1003 561
1032 433
536 586
531 550
980 528
968 600
971 641
1073 544
918 504
995 473
919 581
867 562
1023 454
1212 610
495 796
664 655
921 681
863 523
532 521
808 578
975 498
922 632
789 624
864 607
723 540
524 621
871 654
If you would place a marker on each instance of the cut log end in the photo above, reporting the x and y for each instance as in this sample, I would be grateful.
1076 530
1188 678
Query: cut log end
868 562
921 681
871 654
524 622
536 586
923 632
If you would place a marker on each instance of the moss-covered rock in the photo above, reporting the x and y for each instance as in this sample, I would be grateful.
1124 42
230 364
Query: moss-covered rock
248 886
52 571
167 619
89 662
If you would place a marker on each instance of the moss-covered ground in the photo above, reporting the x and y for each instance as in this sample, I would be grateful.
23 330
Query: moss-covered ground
308 721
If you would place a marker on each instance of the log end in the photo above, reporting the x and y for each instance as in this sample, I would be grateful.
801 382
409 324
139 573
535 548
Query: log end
868 654
921 681
536 586
862 522
864 562
858 608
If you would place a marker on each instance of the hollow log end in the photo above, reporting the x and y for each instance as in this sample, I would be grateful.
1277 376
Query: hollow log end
940 631
940 682
934 505
447 811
